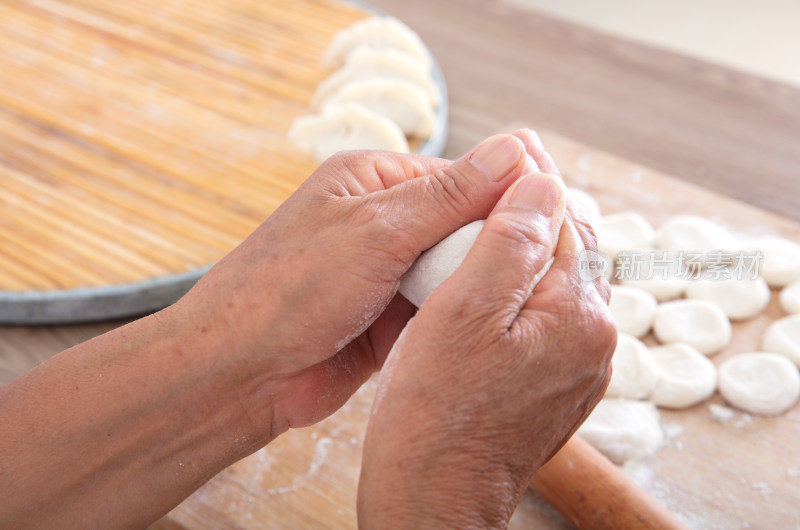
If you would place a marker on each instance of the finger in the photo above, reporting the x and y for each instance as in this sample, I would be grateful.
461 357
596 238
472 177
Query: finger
387 327
425 210
535 149
519 238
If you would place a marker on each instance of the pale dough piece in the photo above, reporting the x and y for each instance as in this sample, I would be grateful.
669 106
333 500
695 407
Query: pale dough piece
587 204
623 231
783 337
633 310
623 429
437 263
401 101
685 376
760 383
663 289
790 298
378 33
366 63
781 260
692 233
698 323
634 373
345 127
739 299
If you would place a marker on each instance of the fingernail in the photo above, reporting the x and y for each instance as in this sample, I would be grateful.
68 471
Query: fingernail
496 157
537 192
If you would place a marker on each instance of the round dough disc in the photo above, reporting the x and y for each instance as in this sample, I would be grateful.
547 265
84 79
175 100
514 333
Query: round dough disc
691 233
781 260
685 376
663 289
790 298
587 204
623 231
633 310
739 299
698 323
623 429
760 383
635 374
783 337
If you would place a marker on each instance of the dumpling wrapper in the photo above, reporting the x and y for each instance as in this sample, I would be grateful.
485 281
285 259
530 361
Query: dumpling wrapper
345 127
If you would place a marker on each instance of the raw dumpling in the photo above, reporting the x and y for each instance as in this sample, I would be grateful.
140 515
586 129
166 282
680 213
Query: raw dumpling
634 373
379 33
739 299
685 376
437 263
366 63
633 310
342 127
761 383
401 101
623 429
698 323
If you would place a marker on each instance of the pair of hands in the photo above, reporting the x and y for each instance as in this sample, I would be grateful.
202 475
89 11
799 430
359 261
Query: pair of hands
479 388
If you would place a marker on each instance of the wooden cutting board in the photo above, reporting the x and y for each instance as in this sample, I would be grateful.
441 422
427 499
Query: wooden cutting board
140 141
740 473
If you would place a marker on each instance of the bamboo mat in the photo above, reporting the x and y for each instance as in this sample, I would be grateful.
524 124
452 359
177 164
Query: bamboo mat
146 138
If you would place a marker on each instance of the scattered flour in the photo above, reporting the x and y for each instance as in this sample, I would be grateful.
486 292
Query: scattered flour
721 413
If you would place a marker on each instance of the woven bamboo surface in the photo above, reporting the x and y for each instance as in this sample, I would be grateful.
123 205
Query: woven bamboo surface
146 138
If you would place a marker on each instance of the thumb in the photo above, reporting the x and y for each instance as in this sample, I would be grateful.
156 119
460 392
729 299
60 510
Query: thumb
427 209
518 240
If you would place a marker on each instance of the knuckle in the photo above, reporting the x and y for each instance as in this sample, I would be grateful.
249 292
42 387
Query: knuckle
514 232
453 186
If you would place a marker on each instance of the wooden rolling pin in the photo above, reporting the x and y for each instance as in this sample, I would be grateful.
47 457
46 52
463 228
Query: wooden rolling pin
591 492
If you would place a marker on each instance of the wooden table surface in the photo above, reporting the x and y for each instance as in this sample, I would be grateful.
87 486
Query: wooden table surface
727 131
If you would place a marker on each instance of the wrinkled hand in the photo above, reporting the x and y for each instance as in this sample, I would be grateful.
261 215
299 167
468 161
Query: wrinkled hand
306 306
487 381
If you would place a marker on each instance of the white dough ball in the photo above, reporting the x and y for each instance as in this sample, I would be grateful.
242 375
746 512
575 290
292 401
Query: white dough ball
739 299
760 383
587 204
623 429
346 127
790 298
633 310
365 63
436 264
663 289
698 323
634 373
377 33
685 376
623 231
781 260
403 102
783 337
692 233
